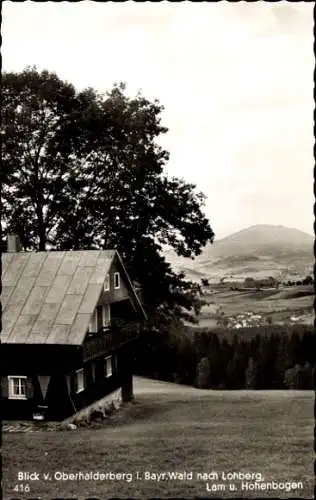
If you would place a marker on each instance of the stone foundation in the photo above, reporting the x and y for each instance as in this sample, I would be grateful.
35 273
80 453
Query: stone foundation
105 406
98 410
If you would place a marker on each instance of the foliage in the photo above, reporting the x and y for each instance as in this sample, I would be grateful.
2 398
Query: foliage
308 280
251 374
203 373
299 377
83 170
272 360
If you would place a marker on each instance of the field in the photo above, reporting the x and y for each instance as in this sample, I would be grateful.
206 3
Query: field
172 428
276 305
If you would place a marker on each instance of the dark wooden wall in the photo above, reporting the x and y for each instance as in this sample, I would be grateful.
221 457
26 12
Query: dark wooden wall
62 399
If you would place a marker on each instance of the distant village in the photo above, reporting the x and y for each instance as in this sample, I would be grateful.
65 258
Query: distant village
250 284
249 319
242 283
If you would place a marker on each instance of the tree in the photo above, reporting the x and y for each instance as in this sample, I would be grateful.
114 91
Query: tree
35 109
215 359
227 352
266 362
308 346
272 282
251 374
282 361
292 377
306 380
236 367
84 170
232 380
295 349
299 377
250 282
203 373
186 356
308 280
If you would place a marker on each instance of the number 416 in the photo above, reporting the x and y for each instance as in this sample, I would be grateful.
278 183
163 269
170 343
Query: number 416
22 488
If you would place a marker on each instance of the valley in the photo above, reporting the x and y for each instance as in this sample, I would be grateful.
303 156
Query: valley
239 308
258 253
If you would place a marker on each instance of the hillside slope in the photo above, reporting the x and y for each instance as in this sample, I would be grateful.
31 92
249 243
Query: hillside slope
171 428
261 250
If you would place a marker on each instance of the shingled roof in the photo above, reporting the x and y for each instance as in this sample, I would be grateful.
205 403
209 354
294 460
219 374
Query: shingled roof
49 297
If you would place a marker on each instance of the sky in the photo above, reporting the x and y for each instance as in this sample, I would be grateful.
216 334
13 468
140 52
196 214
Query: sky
235 79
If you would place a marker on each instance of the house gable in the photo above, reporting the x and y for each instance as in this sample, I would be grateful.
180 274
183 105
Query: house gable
125 290
112 294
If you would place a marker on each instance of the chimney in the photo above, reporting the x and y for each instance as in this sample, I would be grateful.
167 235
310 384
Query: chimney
13 243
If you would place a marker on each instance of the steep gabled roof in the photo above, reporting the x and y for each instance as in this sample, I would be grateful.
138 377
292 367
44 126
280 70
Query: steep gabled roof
49 297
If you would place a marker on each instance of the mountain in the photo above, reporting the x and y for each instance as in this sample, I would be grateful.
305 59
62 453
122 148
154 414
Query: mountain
263 238
258 251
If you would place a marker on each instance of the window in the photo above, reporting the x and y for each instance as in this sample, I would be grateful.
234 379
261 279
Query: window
106 315
107 283
108 366
79 386
17 387
116 280
101 317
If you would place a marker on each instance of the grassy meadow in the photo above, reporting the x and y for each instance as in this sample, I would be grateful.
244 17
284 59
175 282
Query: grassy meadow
277 304
173 428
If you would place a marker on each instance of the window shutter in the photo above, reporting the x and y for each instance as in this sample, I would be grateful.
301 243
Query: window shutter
73 383
92 324
29 388
106 314
107 283
4 387
87 376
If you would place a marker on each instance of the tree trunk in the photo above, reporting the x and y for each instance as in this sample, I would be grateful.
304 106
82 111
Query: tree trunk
41 229
127 388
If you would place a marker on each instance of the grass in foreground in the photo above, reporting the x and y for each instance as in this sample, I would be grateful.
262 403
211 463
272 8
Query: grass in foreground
165 431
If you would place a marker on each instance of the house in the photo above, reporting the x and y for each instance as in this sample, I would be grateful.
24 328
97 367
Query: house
69 325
